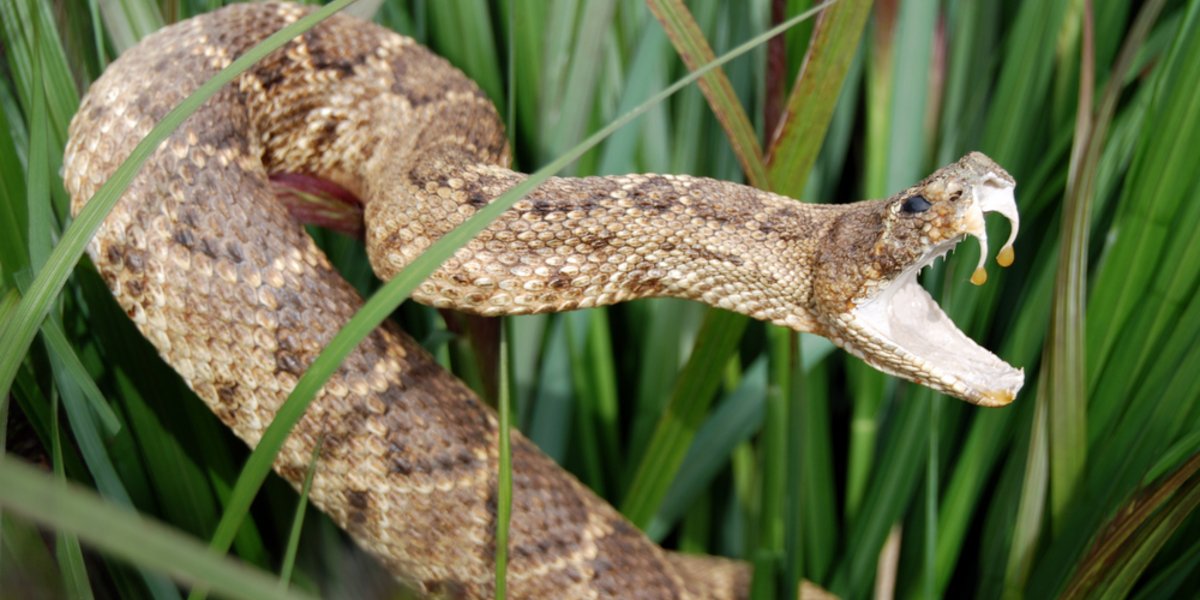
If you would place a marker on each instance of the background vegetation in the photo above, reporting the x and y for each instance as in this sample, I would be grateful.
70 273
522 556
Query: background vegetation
712 433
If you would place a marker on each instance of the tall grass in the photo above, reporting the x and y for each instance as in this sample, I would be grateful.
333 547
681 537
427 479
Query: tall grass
713 433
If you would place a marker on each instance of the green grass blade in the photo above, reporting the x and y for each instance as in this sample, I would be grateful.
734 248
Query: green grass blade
738 416
773 521
1031 511
70 556
583 75
1116 561
66 253
1065 387
689 42
504 480
60 348
464 32
682 416
810 105
70 508
293 543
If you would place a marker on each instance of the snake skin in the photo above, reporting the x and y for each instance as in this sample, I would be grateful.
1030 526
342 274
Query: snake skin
238 299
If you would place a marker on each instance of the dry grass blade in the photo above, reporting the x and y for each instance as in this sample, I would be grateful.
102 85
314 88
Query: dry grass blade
1135 524
1066 391
689 42
797 140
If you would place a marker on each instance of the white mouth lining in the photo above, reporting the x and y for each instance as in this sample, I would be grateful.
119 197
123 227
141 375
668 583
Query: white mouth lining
905 315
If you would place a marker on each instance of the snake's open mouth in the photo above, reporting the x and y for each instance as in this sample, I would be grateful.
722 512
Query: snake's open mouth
904 316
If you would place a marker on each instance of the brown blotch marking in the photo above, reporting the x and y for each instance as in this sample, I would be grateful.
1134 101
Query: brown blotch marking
209 247
559 282
136 287
718 256
419 372
445 588
359 502
189 217
234 249
184 238
400 463
288 363
227 391
292 472
115 256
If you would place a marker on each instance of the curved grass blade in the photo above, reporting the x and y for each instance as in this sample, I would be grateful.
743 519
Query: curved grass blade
293 544
810 105
74 509
505 479
70 556
689 42
1135 534
50 280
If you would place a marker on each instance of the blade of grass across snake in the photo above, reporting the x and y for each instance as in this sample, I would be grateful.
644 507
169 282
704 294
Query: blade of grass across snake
385 301
66 253
505 380
116 531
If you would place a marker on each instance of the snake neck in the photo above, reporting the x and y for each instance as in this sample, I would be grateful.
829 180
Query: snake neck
592 241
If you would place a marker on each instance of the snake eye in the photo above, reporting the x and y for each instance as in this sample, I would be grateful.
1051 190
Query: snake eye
915 204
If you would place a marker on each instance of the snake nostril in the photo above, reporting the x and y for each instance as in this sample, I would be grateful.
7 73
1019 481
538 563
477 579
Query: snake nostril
915 204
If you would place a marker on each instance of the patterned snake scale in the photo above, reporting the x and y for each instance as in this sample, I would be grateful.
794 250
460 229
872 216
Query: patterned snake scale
217 274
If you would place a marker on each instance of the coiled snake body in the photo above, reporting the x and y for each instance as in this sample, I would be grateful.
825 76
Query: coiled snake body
239 300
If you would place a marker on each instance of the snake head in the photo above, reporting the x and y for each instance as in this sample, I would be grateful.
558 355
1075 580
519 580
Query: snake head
866 280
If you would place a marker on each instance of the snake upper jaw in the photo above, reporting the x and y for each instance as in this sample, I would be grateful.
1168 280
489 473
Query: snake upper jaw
903 322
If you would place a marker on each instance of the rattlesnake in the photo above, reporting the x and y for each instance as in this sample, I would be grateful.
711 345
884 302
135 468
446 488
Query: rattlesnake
239 300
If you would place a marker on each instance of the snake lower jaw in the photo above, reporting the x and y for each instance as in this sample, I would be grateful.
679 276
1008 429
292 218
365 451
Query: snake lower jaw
904 321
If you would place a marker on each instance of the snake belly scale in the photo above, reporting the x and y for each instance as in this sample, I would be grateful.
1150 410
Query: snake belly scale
236 297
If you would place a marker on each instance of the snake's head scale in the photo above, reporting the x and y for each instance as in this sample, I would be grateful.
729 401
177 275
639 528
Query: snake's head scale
866 281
